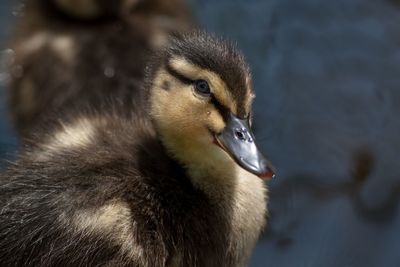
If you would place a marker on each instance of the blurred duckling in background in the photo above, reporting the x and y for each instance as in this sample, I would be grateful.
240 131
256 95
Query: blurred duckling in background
69 53
175 182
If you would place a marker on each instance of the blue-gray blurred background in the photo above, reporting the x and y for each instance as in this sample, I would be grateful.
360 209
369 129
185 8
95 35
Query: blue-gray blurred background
327 79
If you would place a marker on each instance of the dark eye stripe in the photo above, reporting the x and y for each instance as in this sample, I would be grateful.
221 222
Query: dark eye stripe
177 75
224 111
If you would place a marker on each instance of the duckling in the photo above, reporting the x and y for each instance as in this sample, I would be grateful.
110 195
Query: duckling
66 54
174 182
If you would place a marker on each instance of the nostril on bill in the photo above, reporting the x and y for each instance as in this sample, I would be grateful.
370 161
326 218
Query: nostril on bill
240 134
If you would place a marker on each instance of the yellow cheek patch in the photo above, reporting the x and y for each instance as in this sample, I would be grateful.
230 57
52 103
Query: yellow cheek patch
162 99
216 122
188 114
218 86
177 113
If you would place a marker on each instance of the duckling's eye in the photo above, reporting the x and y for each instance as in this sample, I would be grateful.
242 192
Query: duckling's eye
202 87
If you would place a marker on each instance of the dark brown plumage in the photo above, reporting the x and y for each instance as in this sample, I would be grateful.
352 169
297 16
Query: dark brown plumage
169 214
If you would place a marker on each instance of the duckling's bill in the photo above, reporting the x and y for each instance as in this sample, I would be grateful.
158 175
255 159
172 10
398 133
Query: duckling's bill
238 141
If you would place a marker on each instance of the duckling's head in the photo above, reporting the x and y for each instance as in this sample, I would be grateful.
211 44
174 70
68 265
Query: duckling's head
200 102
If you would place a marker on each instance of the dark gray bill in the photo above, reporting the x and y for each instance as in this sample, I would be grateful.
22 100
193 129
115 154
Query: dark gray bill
238 140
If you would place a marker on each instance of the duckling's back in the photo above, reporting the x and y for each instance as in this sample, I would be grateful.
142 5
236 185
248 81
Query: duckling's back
73 55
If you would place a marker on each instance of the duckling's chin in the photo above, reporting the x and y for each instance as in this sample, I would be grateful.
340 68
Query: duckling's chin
211 161
206 163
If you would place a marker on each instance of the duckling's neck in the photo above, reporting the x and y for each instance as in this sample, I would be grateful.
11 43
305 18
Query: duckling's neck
206 168
227 184
209 168
239 195
218 178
